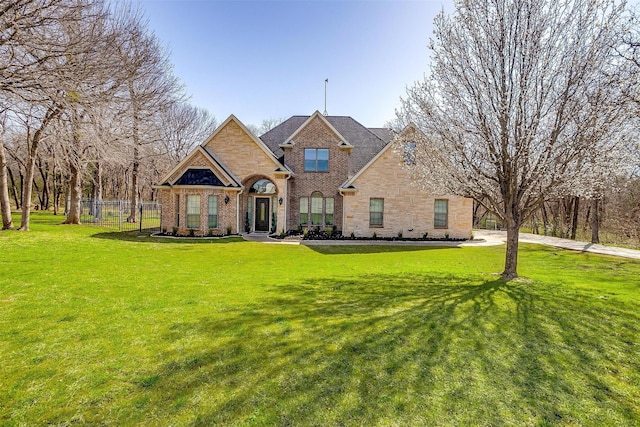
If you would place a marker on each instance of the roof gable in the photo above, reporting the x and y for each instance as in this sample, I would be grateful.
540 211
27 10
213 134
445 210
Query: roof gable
290 140
199 177
350 183
205 160
233 119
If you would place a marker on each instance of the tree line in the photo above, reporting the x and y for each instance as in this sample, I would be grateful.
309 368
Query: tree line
88 103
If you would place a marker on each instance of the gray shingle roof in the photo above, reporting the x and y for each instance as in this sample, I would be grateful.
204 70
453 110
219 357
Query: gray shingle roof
384 134
366 142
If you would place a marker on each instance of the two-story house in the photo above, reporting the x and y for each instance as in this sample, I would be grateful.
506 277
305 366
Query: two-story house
327 172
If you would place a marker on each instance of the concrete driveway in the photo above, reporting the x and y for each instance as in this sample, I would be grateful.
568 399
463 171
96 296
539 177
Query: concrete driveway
500 237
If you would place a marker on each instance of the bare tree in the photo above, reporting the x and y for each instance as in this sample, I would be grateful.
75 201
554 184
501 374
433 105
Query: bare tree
149 88
184 127
5 203
39 57
502 114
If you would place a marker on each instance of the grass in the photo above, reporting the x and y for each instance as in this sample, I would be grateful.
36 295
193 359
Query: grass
110 328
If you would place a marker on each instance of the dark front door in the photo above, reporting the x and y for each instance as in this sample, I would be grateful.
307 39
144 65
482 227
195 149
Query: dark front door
262 214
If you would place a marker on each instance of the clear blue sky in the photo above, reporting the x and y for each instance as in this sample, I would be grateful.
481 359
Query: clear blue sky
262 59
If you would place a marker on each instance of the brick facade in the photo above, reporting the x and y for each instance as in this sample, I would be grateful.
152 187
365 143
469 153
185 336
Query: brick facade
316 135
408 208
236 155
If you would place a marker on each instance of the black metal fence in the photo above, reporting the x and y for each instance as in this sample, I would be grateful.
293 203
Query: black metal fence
116 214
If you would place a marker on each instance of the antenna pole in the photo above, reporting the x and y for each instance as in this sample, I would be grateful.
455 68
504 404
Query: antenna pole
326 81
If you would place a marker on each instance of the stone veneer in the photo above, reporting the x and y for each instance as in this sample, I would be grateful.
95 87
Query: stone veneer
408 208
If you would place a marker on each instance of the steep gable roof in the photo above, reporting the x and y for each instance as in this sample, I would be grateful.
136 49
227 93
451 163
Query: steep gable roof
280 133
227 179
270 154
384 134
350 183
366 142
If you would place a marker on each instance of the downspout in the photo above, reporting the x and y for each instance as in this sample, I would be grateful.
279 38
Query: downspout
286 204
344 217
238 210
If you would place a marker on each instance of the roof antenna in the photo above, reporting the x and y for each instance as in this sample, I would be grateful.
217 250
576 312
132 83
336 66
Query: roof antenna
326 81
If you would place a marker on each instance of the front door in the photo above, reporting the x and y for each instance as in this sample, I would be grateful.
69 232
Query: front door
262 214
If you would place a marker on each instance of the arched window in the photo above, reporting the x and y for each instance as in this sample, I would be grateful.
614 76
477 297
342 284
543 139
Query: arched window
263 186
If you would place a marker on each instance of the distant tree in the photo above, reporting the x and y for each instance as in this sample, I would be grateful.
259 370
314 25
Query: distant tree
265 126
511 110
184 127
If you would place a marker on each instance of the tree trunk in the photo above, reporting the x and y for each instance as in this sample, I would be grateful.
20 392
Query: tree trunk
14 189
545 219
96 194
511 256
134 188
30 166
54 184
75 191
5 203
595 222
27 189
44 174
574 220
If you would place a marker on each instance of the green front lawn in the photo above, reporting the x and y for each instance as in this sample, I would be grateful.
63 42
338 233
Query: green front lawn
105 328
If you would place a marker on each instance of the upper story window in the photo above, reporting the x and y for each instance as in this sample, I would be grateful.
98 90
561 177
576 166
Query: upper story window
316 160
409 153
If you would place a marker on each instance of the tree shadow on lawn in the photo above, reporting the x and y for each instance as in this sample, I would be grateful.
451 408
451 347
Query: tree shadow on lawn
426 350
372 248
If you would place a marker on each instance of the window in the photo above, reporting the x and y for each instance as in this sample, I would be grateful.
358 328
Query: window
316 159
316 208
263 186
322 210
328 211
213 211
376 212
409 151
304 210
441 214
193 211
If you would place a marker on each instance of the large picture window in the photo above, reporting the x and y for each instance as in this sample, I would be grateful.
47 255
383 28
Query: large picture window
317 210
213 211
376 212
316 159
193 211
304 210
441 214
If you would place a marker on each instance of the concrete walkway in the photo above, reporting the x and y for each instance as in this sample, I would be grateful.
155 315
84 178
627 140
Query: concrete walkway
481 238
